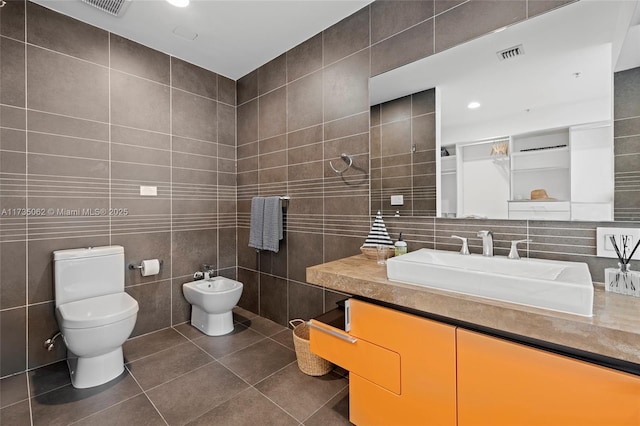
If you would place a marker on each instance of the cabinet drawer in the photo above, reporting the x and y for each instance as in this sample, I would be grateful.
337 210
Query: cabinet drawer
375 363
534 215
539 206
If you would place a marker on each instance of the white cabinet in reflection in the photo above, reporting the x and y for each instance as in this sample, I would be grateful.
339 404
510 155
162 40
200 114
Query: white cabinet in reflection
557 174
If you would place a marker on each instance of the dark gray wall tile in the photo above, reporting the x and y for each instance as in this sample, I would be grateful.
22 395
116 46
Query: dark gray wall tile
346 87
13 291
226 125
247 122
226 90
390 17
154 304
346 37
272 113
138 247
193 79
251 289
272 75
139 103
304 58
66 35
41 143
12 117
273 298
139 60
304 137
13 326
395 110
403 48
337 247
627 93
247 87
67 86
352 125
305 301
444 5
12 73
192 116
536 7
140 138
42 326
304 101
192 249
475 18
68 126
12 19
66 166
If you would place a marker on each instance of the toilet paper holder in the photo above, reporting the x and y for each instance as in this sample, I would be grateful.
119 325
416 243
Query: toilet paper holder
134 267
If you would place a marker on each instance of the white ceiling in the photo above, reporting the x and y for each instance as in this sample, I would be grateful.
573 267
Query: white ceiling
234 37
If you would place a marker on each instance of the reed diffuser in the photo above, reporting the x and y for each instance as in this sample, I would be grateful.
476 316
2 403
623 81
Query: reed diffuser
622 279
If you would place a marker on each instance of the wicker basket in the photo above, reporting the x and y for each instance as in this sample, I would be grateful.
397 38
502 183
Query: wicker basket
308 362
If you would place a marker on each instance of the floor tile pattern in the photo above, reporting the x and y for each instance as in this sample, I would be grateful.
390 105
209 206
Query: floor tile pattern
179 376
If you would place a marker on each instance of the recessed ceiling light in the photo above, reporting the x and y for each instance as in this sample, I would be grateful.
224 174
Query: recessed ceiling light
473 105
179 3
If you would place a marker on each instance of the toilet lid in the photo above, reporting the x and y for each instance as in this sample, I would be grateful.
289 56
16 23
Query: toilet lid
97 311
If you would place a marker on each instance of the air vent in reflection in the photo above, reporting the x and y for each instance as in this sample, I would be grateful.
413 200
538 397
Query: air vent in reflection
112 7
511 52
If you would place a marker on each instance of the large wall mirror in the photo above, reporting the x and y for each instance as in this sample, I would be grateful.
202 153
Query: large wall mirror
517 124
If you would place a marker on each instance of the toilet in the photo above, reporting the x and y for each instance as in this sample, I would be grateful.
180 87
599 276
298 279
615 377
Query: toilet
211 303
94 313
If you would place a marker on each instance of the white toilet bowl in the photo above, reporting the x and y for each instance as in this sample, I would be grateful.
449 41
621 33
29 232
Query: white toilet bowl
94 313
94 330
211 303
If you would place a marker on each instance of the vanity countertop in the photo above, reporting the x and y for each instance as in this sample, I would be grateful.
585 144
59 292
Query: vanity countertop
613 330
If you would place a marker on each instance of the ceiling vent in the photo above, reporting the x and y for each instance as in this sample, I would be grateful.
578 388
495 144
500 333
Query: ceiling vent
511 52
112 7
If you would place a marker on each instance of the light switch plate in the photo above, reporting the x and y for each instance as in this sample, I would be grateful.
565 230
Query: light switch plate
604 246
397 200
149 191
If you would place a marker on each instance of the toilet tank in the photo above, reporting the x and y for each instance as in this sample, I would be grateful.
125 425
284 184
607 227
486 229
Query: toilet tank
87 272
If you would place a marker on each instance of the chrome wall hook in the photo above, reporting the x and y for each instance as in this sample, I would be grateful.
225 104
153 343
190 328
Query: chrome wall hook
347 159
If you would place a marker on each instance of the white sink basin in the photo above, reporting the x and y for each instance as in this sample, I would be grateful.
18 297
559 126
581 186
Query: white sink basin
549 284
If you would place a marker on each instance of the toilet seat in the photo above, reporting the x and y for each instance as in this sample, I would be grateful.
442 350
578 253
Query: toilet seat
97 311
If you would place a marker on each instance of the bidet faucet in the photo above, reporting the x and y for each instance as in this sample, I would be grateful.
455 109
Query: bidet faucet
209 271
487 242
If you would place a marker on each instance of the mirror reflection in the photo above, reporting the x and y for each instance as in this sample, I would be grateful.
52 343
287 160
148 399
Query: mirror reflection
517 124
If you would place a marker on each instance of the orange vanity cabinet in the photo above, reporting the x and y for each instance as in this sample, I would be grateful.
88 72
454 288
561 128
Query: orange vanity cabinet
505 383
402 367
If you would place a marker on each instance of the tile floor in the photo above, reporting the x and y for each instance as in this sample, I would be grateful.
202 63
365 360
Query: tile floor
180 376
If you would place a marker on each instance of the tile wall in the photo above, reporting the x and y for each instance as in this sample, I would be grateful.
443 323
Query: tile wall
309 105
627 144
403 159
86 117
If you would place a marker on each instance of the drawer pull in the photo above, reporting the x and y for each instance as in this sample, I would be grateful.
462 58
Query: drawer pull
333 333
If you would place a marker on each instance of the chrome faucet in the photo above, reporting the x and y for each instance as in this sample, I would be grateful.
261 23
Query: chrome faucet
465 247
487 242
209 271
513 253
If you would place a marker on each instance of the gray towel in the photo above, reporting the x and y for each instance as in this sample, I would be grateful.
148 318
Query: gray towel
272 230
257 222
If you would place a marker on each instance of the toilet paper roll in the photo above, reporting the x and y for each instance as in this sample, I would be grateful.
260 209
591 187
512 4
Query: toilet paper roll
150 267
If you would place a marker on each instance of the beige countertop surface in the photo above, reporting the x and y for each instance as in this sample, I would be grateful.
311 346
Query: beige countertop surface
613 330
